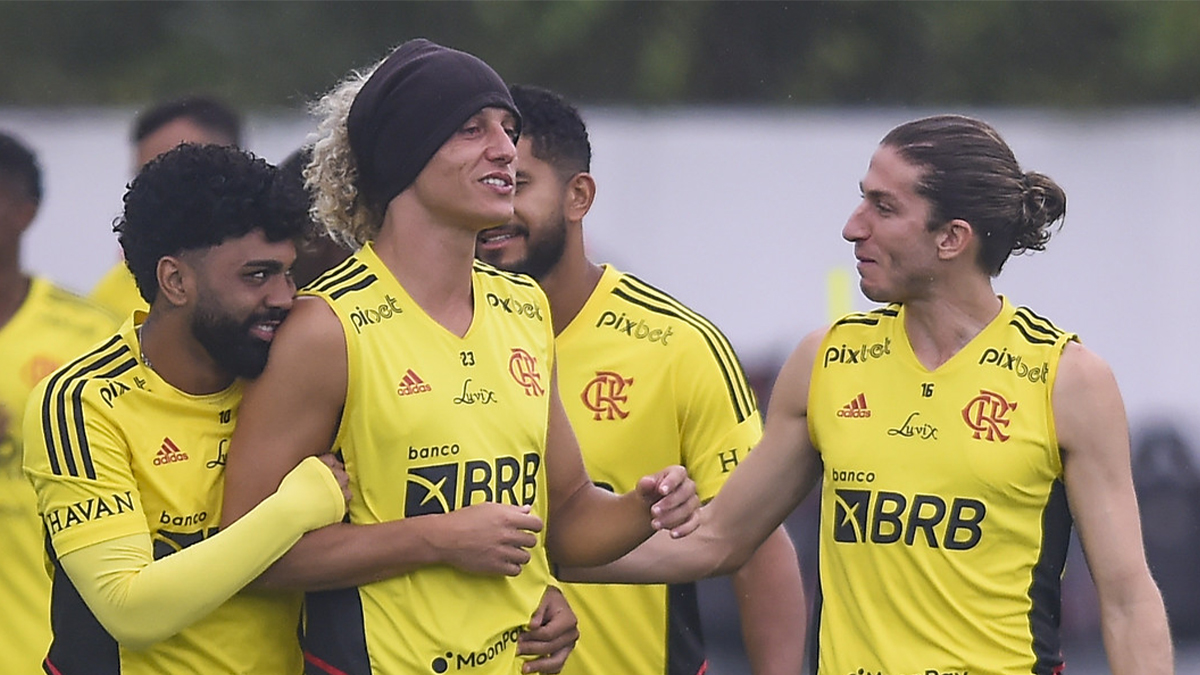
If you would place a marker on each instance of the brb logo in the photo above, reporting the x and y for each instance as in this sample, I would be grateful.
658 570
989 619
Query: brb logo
862 354
442 488
862 516
515 306
1013 362
361 318
987 415
523 367
605 395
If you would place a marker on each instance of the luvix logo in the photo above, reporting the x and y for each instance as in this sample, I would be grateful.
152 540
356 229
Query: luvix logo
412 384
523 367
605 395
442 488
862 516
987 415
169 453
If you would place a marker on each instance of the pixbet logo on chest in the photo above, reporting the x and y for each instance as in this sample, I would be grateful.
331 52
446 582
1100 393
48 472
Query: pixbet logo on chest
638 331
361 318
846 354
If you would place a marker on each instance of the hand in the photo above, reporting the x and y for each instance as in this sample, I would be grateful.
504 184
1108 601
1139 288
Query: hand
488 538
674 505
553 631
339 472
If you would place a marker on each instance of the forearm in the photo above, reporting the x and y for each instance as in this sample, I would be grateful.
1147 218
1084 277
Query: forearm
344 555
771 601
1136 637
596 527
141 601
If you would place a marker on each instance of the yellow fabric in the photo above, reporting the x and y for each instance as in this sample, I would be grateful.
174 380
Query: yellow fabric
943 517
432 423
51 327
141 601
114 451
117 292
647 382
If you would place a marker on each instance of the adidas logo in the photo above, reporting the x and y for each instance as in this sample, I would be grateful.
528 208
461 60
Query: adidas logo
857 407
412 384
169 453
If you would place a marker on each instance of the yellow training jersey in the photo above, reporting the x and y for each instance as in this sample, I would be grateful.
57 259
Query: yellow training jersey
647 383
944 521
117 292
435 422
114 450
51 327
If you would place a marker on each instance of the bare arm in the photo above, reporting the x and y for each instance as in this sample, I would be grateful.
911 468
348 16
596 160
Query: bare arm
770 599
1093 433
291 412
764 488
591 526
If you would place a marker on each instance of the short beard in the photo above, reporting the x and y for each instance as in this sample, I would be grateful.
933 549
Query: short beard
229 342
544 253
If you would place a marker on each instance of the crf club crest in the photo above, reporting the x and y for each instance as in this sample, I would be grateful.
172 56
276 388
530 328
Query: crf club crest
605 395
987 415
523 367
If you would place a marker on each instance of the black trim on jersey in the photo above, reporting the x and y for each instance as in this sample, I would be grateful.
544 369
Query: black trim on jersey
1045 589
80 645
812 646
870 318
357 286
74 376
336 274
1034 328
334 634
519 279
685 636
740 393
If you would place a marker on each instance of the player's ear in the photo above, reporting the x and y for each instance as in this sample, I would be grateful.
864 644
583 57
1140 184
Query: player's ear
174 280
954 239
581 192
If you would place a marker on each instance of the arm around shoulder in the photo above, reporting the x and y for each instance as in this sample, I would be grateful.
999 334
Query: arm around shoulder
1093 436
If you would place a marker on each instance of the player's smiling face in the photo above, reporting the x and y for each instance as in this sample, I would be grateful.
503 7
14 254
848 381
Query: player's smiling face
895 250
244 291
469 180
533 241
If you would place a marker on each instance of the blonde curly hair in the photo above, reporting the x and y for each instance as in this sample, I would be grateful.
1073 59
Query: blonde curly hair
332 175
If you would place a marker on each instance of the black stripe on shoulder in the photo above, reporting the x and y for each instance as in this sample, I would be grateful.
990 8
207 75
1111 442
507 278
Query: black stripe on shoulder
871 318
638 292
357 285
334 273
1034 328
519 279
339 274
64 390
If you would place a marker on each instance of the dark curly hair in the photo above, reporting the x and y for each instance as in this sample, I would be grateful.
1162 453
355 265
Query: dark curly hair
19 167
554 129
196 197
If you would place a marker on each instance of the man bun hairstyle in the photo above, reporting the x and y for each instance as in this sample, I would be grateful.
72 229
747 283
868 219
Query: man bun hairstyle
971 174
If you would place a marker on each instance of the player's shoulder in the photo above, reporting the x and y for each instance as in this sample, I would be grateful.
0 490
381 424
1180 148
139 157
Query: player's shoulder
1037 329
641 308
85 376
70 310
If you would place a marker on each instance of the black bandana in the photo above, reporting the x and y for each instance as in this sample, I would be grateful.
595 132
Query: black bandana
410 105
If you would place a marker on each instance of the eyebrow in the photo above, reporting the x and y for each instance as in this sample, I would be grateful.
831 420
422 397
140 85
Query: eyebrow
269 264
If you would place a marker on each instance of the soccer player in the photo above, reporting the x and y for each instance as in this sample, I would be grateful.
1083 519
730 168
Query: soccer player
957 437
126 445
42 326
190 119
647 382
433 375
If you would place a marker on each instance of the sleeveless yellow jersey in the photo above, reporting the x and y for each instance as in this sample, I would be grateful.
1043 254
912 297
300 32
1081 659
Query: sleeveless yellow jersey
435 422
113 450
117 292
647 383
52 326
944 521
